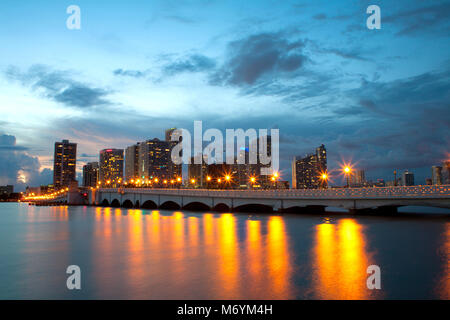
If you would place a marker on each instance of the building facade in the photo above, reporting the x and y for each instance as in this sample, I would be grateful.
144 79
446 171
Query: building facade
154 157
357 178
90 174
446 172
307 171
436 175
111 167
132 162
407 178
64 163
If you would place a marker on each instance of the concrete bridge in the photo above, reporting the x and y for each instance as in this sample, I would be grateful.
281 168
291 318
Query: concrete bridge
293 200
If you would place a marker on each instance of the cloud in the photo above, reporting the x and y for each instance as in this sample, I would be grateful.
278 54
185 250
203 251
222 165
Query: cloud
59 86
8 142
129 73
18 167
258 57
419 20
320 16
192 63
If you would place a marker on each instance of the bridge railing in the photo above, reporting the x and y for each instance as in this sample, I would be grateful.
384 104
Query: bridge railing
442 191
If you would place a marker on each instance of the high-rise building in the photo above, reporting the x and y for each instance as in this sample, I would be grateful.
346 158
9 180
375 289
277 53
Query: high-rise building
175 170
64 163
169 133
436 175
407 178
306 172
154 157
357 178
446 172
90 174
132 162
111 167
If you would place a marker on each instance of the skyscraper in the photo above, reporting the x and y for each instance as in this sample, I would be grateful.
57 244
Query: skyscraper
64 163
132 162
306 172
357 178
111 167
436 175
446 172
175 170
169 133
407 178
90 174
154 157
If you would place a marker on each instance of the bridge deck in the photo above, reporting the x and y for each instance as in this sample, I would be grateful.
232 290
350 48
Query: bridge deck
416 192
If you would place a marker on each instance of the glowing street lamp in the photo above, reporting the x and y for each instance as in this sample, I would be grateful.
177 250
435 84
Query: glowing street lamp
227 178
347 172
324 178
208 178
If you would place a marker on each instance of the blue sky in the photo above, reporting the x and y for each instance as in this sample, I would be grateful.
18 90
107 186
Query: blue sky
310 68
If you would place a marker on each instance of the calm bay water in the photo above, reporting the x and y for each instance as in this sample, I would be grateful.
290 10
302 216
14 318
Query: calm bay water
145 254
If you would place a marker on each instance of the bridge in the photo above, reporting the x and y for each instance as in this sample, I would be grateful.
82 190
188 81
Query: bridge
292 200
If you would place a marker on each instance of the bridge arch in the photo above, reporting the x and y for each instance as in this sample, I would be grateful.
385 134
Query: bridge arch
170 205
105 203
137 204
254 207
221 207
127 204
115 203
196 206
149 204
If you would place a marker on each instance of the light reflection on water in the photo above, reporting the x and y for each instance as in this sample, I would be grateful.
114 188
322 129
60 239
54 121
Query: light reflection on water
144 254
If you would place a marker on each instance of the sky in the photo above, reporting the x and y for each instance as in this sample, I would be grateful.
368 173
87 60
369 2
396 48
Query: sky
379 98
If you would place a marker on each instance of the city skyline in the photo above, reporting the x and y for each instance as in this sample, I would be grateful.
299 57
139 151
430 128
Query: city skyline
313 70
313 169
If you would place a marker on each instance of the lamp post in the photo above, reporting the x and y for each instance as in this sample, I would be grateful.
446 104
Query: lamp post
324 178
347 171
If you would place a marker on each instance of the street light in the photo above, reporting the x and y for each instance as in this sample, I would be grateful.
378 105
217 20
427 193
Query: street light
324 178
347 172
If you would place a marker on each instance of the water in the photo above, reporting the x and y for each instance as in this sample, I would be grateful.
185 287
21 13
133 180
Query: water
145 254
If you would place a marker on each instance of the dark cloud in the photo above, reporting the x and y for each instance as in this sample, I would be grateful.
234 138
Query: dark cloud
8 142
129 73
320 16
347 54
192 63
59 86
258 57
425 19
15 164
81 96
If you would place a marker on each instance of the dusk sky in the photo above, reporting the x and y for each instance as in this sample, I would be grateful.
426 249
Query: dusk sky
312 69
